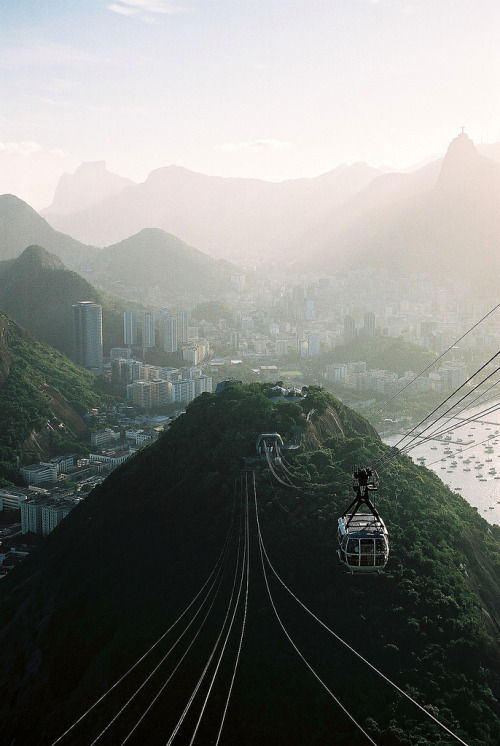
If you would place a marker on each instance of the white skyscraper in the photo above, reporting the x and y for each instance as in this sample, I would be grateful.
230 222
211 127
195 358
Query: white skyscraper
182 327
168 327
148 330
130 327
87 335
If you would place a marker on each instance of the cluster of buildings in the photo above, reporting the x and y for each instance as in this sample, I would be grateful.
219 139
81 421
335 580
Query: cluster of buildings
356 377
141 331
42 509
63 468
172 329
276 314
146 386
309 316
54 487
150 386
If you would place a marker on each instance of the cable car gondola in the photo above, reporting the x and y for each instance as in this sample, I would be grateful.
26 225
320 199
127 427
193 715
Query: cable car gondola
362 535
269 445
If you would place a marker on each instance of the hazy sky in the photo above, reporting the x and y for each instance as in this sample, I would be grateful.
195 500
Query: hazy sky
271 89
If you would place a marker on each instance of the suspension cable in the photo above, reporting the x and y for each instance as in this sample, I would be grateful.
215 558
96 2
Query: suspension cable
244 569
301 656
209 660
394 449
349 647
245 610
217 582
372 414
462 423
450 409
163 687
158 641
276 475
450 428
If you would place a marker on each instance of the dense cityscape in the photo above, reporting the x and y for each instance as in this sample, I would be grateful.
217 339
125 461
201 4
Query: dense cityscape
281 330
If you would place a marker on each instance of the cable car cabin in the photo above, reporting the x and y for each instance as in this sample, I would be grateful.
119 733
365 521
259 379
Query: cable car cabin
269 445
362 536
364 544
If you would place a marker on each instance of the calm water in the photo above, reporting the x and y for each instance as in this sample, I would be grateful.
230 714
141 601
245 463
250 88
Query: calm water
467 458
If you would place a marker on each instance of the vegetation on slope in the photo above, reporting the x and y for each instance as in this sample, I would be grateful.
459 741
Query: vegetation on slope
155 258
383 353
127 561
38 375
38 291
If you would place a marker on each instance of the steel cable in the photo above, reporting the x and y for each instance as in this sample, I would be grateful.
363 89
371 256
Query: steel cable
156 643
345 644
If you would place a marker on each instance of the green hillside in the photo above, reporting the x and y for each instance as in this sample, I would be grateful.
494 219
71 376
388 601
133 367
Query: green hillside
21 226
128 561
153 257
39 385
37 290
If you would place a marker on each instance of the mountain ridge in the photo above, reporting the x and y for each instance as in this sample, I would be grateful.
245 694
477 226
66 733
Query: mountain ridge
435 219
184 203
449 228
21 226
154 257
90 184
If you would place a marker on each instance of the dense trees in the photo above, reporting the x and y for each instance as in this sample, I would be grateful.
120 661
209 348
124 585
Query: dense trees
36 372
125 563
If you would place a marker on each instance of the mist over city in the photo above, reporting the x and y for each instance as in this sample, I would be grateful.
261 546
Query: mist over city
249 379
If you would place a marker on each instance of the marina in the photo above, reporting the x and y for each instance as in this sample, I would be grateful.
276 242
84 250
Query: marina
467 459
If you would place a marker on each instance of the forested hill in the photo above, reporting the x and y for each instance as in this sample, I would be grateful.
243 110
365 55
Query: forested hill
43 396
38 291
141 554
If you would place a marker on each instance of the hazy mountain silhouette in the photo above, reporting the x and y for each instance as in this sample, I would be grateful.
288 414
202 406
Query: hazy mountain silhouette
233 218
156 258
440 219
91 183
490 150
38 291
450 228
21 226
150 258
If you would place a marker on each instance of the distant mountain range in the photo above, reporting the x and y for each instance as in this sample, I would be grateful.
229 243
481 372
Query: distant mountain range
233 218
152 258
441 219
156 258
444 222
92 183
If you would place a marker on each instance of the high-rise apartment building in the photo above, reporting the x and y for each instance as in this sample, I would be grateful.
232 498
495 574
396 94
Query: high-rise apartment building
130 327
87 335
148 330
349 328
369 324
139 393
182 327
168 327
